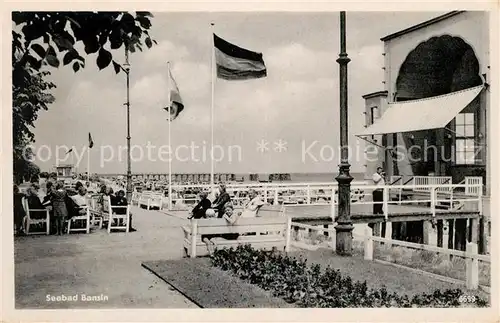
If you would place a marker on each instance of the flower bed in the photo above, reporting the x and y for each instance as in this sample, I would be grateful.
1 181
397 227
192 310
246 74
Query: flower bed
309 286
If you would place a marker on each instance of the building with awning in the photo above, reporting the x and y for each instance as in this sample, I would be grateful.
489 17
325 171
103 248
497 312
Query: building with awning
432 117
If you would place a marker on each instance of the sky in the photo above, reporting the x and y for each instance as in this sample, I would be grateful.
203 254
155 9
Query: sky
286 122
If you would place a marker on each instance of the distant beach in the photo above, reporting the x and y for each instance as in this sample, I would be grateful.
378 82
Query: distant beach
246 178
303 177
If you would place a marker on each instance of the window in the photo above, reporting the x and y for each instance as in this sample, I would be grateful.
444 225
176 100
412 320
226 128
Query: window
464 139
373 117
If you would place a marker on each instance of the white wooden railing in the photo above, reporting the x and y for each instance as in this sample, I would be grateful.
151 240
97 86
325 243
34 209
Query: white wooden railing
471 184
299 194
471 254
272 193
433 200
419 183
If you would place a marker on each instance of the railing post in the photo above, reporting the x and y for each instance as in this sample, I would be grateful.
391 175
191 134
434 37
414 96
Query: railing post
472 267
368 243
474 229
480 200
288 233
194 233
308 194
386 202
276 196
482 223
433 202
451 198
332 205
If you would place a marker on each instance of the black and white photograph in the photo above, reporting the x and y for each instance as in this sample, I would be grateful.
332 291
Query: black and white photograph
213 159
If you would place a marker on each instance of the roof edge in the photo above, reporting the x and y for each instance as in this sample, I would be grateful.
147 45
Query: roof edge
375 94
422 25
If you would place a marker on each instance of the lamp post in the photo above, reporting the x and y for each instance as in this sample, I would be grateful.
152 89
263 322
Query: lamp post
126 69
344 227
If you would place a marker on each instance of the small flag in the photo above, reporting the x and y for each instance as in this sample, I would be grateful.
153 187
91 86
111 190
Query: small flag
175 105
69 151
236 63
91 142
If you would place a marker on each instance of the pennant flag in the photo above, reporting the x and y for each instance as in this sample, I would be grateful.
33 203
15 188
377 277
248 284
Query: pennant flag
236 63
175 105
69 151
91 142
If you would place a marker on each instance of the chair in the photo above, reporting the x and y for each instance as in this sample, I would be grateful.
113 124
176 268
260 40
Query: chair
110 216
135 198
95 211
85 217
144 199
35 217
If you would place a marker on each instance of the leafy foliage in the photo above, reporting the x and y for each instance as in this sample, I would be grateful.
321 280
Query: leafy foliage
42 40
309 286
46 37
27 101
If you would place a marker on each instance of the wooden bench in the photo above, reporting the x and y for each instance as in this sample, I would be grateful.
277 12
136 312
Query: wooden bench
267 233
144 199
156 200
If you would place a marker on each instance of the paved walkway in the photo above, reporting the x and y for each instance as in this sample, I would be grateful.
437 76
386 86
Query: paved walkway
100 264
109 266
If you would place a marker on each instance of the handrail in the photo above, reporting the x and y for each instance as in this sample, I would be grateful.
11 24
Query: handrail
419 246
411 178
400 178
309 194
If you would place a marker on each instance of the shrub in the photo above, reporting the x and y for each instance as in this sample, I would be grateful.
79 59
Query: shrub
308 286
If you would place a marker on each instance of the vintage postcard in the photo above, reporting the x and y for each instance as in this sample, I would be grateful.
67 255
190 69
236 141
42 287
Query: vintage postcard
252 162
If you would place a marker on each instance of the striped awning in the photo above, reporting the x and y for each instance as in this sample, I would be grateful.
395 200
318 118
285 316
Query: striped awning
430 113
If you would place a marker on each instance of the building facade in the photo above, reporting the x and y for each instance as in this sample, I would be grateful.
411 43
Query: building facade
436 88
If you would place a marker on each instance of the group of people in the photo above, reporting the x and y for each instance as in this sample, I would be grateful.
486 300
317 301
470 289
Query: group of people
61 203
117 200
222 207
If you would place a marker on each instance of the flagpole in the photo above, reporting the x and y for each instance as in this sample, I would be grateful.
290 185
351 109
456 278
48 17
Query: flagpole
88 164
169 138
212 174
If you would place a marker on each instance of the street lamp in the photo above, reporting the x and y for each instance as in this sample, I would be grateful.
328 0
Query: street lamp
126 69
344 227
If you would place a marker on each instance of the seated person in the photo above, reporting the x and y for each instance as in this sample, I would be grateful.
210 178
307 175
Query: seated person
34 203
121 200
77 204
221 200
252 207
231 218
199 211
80 197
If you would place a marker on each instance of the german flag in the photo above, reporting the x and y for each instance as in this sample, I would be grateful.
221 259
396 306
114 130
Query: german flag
236 63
